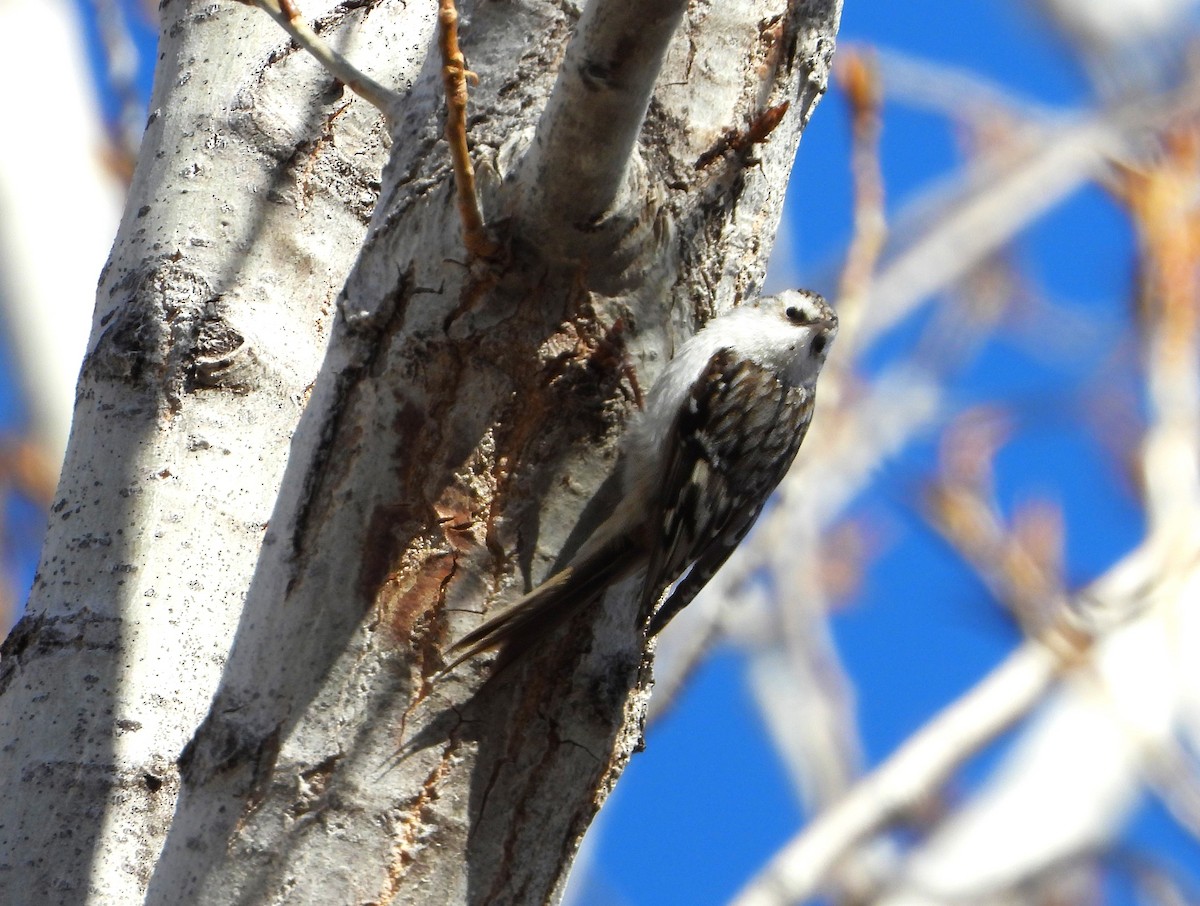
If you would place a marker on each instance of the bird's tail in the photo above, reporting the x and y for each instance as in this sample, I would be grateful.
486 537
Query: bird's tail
536 615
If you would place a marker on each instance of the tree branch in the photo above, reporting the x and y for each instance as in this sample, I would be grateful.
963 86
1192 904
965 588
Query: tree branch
285 13
577 171
918 767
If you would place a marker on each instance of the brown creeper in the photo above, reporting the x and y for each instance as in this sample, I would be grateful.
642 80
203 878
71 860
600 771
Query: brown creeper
720 428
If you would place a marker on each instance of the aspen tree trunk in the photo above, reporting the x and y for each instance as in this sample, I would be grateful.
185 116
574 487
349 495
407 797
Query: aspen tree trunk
315 441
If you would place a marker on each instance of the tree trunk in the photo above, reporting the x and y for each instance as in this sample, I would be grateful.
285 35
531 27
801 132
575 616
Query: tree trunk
315 441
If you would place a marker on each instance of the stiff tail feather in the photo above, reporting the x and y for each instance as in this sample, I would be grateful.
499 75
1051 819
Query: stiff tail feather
547 607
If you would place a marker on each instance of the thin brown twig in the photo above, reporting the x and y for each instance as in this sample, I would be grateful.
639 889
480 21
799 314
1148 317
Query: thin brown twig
26 469
859 79
455 76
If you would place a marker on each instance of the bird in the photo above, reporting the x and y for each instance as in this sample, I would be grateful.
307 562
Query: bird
719 429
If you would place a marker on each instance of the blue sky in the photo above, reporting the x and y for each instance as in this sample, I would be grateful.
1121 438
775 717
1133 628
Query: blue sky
708 801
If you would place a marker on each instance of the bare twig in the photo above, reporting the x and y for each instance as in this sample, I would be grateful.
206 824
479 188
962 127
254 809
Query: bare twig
1129 687
906 778
741 140
26 466
959 225
1161 199
1143 581
860 80
285 13
1023 573
795 667
455 76
988 213
952 91
27 469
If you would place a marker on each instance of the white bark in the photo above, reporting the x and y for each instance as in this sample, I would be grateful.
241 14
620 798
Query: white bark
287 490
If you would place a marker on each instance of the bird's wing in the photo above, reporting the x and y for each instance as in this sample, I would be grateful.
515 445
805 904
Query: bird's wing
732 442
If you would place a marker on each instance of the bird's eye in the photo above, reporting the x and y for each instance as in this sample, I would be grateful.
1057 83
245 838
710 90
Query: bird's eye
795 315
818 344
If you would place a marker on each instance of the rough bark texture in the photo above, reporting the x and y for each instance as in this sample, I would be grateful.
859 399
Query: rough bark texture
288 490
